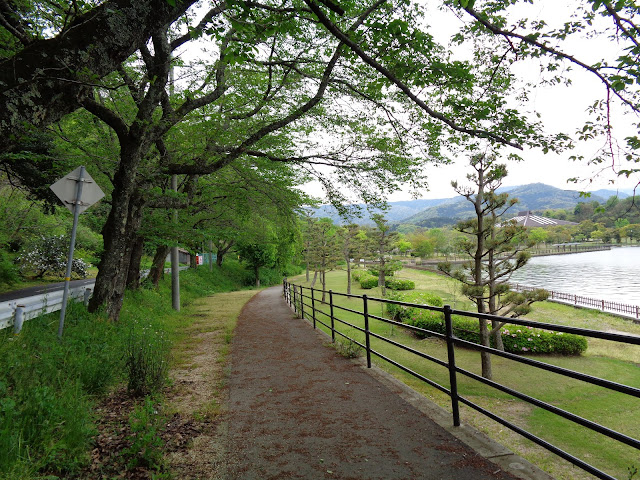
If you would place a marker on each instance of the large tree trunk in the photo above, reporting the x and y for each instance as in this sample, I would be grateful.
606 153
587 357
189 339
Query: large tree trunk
315 277
256 271
133 275
157 267
113 267
43 82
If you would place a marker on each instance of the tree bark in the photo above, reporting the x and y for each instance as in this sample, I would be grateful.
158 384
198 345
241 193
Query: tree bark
113 267
133 275
157 268
43 82
256 270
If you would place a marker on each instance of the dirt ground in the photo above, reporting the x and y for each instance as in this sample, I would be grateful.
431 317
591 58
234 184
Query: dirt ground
299 410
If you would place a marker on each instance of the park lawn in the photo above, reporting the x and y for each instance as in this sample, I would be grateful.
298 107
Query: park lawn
614 410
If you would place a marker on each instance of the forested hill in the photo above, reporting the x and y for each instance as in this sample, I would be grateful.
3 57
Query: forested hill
397 211
534 196
446 211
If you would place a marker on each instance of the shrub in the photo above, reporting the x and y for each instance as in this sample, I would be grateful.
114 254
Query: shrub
49 254
399 284
405 314
358 274
516 339
368 282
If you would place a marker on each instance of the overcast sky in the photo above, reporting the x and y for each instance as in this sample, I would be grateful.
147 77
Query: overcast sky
562 109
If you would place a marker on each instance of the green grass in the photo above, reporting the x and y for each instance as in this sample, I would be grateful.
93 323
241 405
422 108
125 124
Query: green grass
48 388
614 410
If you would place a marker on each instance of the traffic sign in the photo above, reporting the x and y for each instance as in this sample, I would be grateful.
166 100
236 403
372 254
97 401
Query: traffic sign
66 187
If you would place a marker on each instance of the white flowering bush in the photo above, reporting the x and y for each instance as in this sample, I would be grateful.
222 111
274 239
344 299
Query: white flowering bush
48 255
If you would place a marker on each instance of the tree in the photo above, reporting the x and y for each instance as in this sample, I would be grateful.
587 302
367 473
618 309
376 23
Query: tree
351 244
382 240
324 250
496 249
257 255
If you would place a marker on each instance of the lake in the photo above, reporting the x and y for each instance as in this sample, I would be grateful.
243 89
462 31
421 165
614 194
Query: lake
609 275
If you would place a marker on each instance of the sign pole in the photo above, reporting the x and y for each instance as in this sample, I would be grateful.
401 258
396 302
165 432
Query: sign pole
67 278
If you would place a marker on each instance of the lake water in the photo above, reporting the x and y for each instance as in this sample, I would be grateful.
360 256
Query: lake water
609 275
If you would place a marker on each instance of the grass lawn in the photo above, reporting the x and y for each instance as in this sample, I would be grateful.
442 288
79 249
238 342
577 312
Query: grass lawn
603 359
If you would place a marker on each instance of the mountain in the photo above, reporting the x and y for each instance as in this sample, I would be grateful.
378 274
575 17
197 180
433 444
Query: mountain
606 193
397 210
534 196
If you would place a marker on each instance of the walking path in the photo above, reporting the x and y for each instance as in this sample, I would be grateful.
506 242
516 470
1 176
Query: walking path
299 410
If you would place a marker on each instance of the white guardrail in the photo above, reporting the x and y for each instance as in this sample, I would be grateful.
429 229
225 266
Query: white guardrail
37 305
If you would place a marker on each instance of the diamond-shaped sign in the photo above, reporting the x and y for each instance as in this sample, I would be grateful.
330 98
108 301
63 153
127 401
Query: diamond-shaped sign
66 188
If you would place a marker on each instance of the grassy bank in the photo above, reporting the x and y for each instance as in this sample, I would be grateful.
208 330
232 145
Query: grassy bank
48 388
602 359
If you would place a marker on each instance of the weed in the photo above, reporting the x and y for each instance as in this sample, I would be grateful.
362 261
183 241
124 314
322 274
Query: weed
146 360
146 445
348 348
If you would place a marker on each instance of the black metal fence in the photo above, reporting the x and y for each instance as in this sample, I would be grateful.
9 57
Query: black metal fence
304 301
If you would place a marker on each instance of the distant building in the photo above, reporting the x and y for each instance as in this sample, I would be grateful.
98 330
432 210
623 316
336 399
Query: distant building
529 220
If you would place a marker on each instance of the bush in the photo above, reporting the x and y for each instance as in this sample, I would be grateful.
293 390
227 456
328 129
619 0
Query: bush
515 339
399 284
358 274
49 254
405 314
368 282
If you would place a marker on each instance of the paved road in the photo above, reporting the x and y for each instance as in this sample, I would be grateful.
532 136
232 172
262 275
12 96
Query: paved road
40 289
299 410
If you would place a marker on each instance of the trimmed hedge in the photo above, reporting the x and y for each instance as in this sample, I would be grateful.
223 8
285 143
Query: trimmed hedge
516 339
399 284
368 282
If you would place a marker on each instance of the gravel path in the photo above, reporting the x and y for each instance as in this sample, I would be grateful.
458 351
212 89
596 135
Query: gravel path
299 410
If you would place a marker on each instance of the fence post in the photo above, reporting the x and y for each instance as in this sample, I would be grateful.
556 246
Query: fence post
452 366
365 312
333 330
637 312
19 319
301 303
87 296
295 303
575 299
603 305
313 307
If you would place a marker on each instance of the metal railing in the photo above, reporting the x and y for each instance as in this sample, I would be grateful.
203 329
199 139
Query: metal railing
303 300
14 312
578 300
